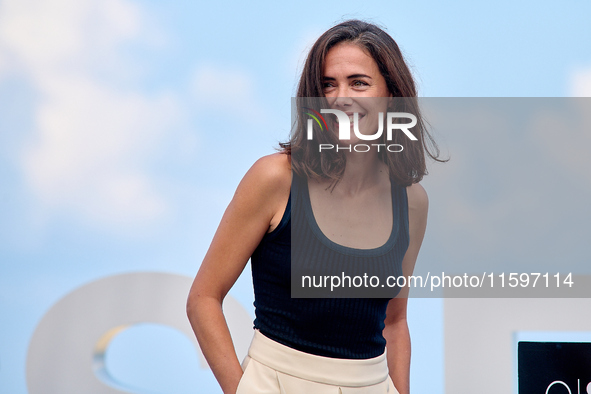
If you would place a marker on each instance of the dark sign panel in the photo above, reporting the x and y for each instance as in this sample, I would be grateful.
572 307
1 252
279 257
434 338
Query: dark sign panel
554 367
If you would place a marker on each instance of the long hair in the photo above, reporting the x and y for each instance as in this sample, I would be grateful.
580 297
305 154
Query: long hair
405 167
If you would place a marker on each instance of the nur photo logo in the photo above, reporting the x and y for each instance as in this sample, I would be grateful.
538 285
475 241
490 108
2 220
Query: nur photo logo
347 121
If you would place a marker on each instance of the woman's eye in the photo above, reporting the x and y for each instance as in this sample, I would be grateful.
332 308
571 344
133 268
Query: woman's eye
360 83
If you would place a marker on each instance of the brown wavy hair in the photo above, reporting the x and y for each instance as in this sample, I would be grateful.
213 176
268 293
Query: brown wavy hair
406 167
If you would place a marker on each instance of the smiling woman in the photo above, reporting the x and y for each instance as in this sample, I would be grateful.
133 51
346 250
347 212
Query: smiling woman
350 72
359 60
337 210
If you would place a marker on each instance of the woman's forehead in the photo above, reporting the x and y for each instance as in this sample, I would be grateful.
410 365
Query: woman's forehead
348 58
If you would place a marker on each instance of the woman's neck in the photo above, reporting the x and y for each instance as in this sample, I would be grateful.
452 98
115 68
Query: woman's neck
363 171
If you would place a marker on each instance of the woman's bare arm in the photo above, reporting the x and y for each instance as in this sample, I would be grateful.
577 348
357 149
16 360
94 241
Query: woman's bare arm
396 326
257 205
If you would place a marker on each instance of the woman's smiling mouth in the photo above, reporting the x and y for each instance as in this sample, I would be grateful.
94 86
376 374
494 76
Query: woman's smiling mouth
351 116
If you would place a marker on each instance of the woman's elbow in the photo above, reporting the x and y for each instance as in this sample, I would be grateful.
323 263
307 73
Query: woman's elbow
195 303
199 304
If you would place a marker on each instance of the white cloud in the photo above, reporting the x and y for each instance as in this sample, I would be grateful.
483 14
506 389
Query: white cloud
60 35
93 140
580 82
225 89
90 149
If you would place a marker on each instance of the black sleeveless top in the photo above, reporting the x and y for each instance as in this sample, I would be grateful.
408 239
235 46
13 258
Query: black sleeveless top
332 327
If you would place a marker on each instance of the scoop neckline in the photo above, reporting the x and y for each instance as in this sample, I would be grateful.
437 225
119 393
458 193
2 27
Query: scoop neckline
380 250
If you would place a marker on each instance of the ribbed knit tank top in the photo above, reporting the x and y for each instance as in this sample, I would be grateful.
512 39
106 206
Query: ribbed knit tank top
332 327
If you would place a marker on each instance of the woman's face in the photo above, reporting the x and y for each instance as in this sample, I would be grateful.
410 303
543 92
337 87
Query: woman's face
353 83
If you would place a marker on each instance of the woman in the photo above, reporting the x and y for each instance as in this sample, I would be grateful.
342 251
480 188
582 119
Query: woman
317 345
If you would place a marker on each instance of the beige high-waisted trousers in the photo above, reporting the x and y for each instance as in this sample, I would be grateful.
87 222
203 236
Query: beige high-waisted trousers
273 368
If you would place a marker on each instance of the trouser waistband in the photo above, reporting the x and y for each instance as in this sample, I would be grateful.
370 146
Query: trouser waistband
328 370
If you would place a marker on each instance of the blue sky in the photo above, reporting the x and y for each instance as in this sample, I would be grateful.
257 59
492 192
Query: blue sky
118 152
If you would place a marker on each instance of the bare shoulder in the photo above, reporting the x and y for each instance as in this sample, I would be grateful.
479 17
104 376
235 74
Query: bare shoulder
273 168
418 201
418 206
270 174
266 187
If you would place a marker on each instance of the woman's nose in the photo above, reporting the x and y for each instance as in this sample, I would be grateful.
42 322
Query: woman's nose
343 101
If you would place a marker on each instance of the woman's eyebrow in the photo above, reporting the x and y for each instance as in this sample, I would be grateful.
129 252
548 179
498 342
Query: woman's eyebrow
349 77
358 76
